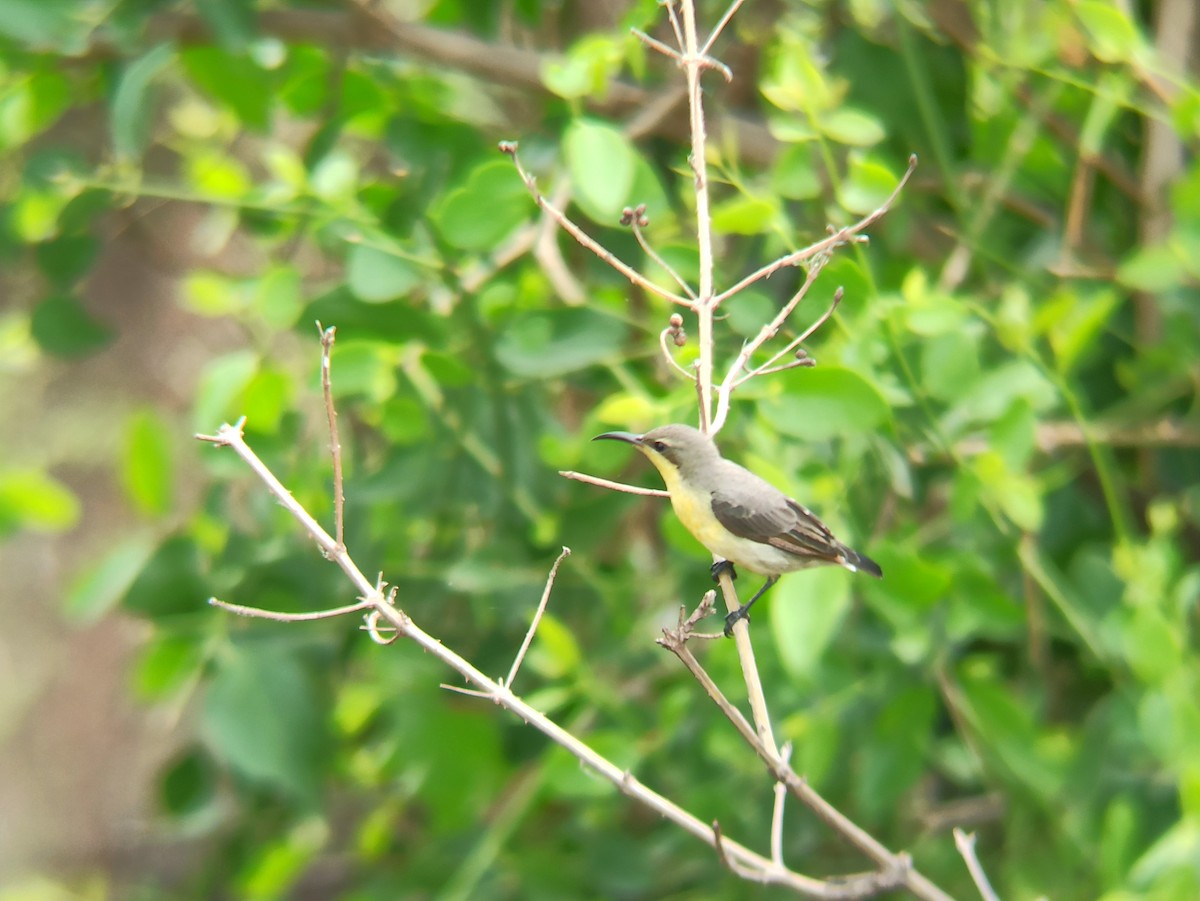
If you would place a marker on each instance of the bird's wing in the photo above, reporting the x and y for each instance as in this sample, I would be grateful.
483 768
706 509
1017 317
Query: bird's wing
776 520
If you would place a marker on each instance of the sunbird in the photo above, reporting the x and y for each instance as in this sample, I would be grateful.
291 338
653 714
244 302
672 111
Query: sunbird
741 518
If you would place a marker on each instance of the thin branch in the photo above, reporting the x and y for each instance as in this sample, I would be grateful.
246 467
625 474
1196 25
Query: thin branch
673 18
670 357
770 366
754 689
335 446
765 334
537 617
656 44
716 32
636 219
280 617
894 869
847 235
785 754
704 305
549 256
965 842
586 240
615 486
469 692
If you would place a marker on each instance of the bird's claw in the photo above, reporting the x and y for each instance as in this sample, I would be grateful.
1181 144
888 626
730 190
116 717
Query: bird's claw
732 620
722 566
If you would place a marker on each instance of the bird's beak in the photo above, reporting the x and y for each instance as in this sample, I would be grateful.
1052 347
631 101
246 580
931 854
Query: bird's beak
627 437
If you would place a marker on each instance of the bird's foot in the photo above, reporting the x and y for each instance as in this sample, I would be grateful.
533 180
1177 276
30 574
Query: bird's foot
722 566
732 619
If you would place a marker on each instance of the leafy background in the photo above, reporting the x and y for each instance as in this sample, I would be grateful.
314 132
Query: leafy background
1004 415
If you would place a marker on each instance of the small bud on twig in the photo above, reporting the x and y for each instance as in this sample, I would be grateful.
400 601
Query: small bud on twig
675 330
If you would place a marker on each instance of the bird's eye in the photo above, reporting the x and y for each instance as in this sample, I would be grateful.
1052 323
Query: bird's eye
659 446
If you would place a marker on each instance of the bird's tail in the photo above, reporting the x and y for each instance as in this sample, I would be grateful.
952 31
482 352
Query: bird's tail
856 562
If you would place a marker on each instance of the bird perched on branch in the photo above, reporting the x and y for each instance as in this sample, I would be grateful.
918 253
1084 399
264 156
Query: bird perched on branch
738 516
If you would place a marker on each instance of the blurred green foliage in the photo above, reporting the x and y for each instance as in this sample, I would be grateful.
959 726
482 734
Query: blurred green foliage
1004 415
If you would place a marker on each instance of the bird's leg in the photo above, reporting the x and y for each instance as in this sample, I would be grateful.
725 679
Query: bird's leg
743 612
722 566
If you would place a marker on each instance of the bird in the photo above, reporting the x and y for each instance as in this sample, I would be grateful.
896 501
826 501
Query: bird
739 517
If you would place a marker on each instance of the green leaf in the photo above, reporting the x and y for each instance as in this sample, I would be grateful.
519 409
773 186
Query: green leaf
545 345
132 106
64 328
601 162
146 470
795 175
377 276
826 402
261 719
1076 322
30 499
167 663
745 215
1016 493
866 186
231 21
555 653
364 368
188 785
279 297
1004 727
266 397
491 203
899 742
99 588
1151 644
46 24
218 397
851 126
170 583
232 79
949 364
1155 269
66 259
1113 37
806 609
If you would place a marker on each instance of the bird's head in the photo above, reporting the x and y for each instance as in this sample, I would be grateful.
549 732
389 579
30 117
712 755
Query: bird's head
671 448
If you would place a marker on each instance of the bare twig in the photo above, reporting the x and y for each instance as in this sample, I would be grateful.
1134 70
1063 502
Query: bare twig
586 240
656 44
335 446
636 219
785 754
537 617
614 486
894 869
770 366
847 235
965 842
754 689
281 617
720 26
735 375
670 357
